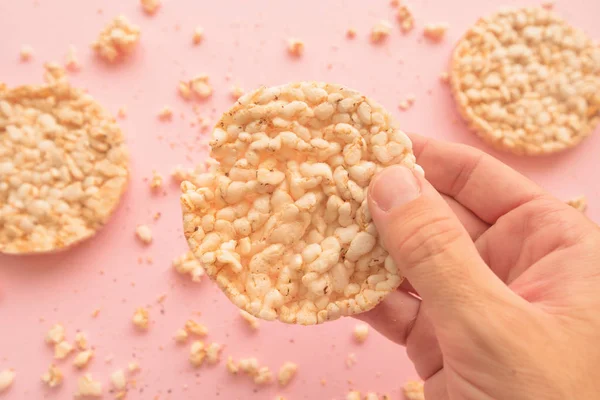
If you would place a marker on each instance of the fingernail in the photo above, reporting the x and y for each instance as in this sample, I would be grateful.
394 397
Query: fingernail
394 186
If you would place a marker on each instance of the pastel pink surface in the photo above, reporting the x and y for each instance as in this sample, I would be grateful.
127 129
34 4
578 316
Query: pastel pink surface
246 40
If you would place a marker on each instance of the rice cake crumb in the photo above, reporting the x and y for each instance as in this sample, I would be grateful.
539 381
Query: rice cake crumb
133 367
295 47
187 264
198 35
7 378
444 77
435 32
381 31
122 112
197 353
250 319
150 6
232 366
82 358
118 380
236 92
405 17
515 102
95 313
53 377
353 395
287 372
195 328
184 90
62 350
371 396
351 33
72 61
156 182
87 386
213 353
394 3
201 87
165 114
81 340
56 334
579 203
26 53
117 39
141 318
263 376
181 336
414 390
144 234
548 5
361 331
350 360
249 366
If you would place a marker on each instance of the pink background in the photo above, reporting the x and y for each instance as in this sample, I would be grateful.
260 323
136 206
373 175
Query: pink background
245 39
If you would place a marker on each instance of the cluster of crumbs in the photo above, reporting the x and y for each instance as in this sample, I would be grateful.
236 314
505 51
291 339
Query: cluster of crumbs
156 181
199 352
286 373
187 264
53 377
251 367
198 87
87 386
117 39
405 18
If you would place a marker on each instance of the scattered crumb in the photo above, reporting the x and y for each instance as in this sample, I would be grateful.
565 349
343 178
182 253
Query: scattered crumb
395 3
236 92
295 47
144 234
371 396
56 334
579 203
198 35
548 5
201 87
181 336
82 358
140 318
323 382
248 366
150 6
231 366
165 114
54 73
26 53
155 184
351 33
86 386
353 395
361 331
62 350
213 353
7 377
122 113
95 313
117 39
286 373
161 298
53 377
197 353
279 398
81 340
435 32
413 390
405 18
250 319
184 90
263 376
117 378
156 216
133 367
195 328
72 62
407 103
444 77
350 360
187 264
381 31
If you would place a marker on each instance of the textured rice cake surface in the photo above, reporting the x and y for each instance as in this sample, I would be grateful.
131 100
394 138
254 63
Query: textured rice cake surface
282 223
527 82
64 167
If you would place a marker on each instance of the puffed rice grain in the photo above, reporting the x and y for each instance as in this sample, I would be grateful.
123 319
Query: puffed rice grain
117 39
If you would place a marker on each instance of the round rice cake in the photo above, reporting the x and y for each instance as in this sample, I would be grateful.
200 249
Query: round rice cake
64 167
527 82
282 223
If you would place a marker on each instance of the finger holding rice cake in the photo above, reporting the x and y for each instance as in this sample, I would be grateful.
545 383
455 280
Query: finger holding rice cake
282 223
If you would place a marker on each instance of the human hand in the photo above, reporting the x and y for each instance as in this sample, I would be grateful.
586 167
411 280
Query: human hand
508 279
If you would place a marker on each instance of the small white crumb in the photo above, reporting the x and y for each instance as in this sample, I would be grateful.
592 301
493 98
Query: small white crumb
144 233
56 334
263 376
444 77
236 92
351 33
133 367
414 390
198 35
287 372
435 32
371 396
213 353
141 318
181 336
248 366
353 395
184 90
7 377
72 62
197 353
195 328
250 319
165 114
62 350
150 6
295 47
201 86
26 52
83 358
350 360
53 377
381 31
231 366
117 378
361 331
117 39
81 340
156 182
87 386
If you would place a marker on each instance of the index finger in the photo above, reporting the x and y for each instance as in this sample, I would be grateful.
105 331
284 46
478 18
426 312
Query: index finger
484 185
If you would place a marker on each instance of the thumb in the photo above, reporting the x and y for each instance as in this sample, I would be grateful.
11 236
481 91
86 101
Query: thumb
428 243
